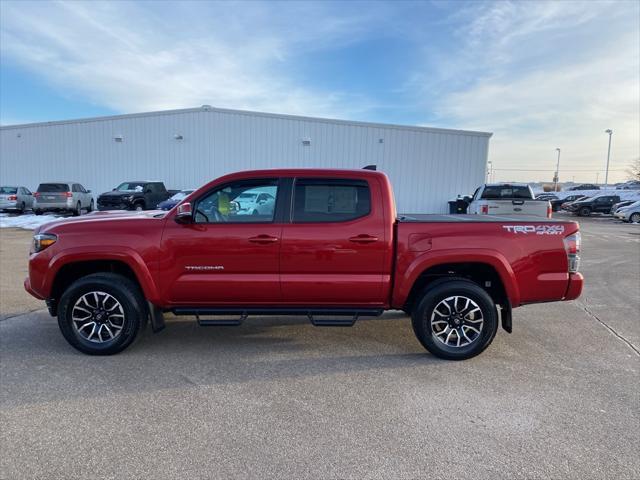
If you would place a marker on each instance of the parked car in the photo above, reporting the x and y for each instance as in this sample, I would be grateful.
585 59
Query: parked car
62 197
557 203
174 200
630 185
587 206
629 213
140 195
623 203
586 186
332 249
508 199
546 196
256 201
15 198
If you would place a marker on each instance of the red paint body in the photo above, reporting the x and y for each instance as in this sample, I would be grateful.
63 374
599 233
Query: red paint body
307 264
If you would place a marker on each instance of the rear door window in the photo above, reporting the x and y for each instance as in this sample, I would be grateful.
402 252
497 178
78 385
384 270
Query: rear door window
330 200
53 187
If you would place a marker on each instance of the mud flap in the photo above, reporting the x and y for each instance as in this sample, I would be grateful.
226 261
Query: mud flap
156 317
505 316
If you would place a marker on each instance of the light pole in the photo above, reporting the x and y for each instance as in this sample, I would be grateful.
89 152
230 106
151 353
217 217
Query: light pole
555 178
606 175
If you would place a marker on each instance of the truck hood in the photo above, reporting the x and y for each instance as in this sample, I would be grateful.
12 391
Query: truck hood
101 219
118 194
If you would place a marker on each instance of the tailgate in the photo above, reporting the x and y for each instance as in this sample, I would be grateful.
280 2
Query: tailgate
539 208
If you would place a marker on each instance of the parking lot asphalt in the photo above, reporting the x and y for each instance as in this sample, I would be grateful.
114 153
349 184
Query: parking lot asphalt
279 398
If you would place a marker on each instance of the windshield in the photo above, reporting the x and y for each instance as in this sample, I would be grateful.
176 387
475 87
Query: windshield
497 192
8 190
53 187
181 195
131 187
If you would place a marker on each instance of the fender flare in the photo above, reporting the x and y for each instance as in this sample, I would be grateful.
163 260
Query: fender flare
122 254
433 258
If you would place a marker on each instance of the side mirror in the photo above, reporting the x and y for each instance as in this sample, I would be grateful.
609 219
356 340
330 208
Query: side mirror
184 214
113 189
88 191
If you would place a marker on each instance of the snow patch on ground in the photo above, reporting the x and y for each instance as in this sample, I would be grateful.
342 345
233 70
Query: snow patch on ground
26 221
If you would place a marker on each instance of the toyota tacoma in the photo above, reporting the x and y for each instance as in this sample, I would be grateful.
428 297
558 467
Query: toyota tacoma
331 248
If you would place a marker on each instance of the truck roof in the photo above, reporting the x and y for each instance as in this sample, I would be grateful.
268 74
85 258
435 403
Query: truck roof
504 184
296 172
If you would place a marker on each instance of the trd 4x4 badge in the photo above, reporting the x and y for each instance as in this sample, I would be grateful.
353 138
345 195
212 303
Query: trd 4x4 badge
537 229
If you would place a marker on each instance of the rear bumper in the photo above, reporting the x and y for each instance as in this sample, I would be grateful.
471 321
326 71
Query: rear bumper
9 205
576 281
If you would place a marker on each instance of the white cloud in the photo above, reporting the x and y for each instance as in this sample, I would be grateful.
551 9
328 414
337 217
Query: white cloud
542 75
130 57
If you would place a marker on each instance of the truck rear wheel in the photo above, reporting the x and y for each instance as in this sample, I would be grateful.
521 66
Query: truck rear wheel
455 320
102 313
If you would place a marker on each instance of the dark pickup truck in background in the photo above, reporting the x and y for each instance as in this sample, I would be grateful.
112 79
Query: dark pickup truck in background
142 195
330 247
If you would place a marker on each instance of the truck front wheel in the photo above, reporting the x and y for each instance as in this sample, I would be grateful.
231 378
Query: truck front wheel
455 320
102 313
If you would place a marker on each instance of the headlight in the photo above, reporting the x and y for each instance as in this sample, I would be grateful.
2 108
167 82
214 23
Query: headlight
42 241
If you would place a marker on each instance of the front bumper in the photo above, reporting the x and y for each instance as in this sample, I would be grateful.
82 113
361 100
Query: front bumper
576 282
120 206
30 290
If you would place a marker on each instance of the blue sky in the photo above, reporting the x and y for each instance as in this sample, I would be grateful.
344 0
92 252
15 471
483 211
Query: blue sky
539 75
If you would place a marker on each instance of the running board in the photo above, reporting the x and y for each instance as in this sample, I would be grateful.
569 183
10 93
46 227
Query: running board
350 315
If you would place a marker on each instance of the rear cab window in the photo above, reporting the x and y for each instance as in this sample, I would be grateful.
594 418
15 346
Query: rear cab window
8 190
498 192
330 200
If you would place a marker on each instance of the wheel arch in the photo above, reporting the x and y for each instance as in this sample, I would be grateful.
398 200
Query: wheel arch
66 271
501 286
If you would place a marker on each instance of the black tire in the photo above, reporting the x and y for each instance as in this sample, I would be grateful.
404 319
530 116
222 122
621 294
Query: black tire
431 298
23 207
138 206
126 292
38 212
91 207
584 212
634 218
78 211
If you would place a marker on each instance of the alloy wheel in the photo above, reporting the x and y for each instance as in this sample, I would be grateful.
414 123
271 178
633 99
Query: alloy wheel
457 321
98 317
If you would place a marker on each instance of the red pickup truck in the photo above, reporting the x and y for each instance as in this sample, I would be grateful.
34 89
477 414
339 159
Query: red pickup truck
326 244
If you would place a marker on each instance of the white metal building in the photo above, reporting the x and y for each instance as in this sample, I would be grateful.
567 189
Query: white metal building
186 148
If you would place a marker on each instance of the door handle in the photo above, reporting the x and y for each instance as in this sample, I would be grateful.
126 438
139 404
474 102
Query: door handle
363 238
263 239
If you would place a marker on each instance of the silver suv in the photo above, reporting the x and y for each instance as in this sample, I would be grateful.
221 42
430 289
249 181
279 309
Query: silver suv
62 197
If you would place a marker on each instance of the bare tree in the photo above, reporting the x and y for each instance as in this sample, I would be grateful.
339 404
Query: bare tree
634 170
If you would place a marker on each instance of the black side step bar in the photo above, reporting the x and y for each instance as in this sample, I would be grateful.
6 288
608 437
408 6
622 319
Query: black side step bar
313 314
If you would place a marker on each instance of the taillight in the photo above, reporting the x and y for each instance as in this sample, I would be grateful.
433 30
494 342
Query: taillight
572 246
68 194
36 194
549 210
12 197
484 209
